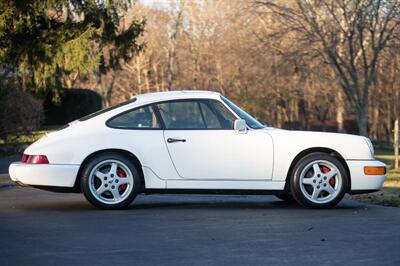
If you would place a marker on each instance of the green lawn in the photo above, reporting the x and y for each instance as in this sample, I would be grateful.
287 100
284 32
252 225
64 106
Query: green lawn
24 137
14 143
386 156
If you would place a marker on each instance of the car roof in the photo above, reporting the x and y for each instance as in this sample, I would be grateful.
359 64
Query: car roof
154 97
171 95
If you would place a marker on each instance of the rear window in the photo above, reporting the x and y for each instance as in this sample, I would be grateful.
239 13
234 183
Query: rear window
140 118
106 110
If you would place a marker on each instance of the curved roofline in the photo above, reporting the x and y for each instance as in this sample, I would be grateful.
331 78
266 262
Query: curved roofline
177 93
149 98
180 94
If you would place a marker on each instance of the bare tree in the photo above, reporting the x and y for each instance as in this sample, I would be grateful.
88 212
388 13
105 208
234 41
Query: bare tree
174 29
279 73
349 35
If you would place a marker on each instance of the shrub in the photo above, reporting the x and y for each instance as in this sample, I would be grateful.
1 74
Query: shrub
71 105
19 112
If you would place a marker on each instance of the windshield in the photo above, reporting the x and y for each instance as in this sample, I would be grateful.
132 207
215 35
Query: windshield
250 121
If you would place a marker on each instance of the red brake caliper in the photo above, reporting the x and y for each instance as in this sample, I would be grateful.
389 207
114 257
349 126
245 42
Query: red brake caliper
332 180
121 173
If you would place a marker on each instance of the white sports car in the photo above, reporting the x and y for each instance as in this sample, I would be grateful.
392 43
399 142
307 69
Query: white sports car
195 142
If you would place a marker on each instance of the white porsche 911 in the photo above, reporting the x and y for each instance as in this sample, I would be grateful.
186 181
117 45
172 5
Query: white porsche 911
195 142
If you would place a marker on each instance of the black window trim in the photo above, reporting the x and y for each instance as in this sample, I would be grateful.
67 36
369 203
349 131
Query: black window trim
161 121
205 100
202 115
152 107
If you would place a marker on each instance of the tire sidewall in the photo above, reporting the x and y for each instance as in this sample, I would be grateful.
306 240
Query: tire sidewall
295 181
85 180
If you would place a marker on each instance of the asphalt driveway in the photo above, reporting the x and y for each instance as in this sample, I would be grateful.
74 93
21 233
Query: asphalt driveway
5 162
44 228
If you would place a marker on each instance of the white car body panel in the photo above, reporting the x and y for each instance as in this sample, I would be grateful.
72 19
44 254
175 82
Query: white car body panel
49 175
221 154
288 144
210 159
360 181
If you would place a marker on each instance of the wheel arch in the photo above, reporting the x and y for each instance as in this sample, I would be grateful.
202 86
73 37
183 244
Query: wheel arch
308 151
128 154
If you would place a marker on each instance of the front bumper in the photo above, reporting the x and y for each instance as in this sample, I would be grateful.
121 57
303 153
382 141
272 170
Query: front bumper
362 182
57 175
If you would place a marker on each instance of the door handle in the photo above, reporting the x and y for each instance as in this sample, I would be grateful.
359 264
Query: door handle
172 140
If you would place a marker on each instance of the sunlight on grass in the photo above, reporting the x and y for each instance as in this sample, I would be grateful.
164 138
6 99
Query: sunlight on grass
24 137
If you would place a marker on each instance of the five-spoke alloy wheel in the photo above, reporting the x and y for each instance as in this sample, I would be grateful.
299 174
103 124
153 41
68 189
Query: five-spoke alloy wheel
319 180
110 181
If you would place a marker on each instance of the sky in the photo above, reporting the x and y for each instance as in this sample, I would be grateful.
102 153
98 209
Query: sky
158 3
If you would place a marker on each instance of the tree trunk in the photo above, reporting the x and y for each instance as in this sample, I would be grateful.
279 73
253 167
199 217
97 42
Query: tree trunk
110 89
170 69
139 75
362 120
340 112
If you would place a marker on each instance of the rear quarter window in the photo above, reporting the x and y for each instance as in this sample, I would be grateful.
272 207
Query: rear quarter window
139 118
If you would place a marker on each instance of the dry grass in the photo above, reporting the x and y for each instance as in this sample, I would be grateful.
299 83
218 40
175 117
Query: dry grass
389 195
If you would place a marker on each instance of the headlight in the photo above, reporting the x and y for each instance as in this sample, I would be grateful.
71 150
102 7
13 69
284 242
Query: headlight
370 146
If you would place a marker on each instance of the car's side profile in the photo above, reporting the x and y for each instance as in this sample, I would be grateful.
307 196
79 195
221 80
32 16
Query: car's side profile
195 142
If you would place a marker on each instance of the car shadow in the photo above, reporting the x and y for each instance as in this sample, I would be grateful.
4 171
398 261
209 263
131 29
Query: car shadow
231 205
179 205
77 202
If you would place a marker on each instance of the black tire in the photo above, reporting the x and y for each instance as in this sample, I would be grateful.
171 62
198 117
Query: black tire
85 186
295 185
286 197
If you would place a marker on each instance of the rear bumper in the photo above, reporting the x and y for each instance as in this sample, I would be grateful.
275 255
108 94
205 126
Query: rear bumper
362 182
56 175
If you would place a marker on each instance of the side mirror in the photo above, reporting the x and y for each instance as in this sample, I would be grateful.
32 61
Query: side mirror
240 126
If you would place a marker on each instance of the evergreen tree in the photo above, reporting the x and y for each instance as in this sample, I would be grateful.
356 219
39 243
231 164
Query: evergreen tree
40 41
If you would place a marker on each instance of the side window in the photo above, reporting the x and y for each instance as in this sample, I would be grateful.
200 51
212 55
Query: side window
181 115
141 118
210 118
225 116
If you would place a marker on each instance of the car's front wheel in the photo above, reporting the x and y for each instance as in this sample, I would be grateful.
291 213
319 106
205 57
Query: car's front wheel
319 180
110 181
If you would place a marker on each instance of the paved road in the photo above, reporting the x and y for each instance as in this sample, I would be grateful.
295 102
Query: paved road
44 228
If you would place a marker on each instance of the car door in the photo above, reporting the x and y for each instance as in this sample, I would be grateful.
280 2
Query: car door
202 143
139 131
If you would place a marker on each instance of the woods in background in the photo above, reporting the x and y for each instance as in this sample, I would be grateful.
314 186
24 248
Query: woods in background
316 64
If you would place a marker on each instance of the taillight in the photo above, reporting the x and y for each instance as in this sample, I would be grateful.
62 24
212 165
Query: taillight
35 159
25 158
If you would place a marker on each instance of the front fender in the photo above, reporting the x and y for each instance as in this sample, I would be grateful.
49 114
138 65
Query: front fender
289 144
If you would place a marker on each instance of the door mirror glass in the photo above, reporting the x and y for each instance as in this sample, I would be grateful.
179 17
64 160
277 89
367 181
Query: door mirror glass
240 125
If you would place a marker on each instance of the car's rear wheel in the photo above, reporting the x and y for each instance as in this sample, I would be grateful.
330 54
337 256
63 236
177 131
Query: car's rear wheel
110 181
319 180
